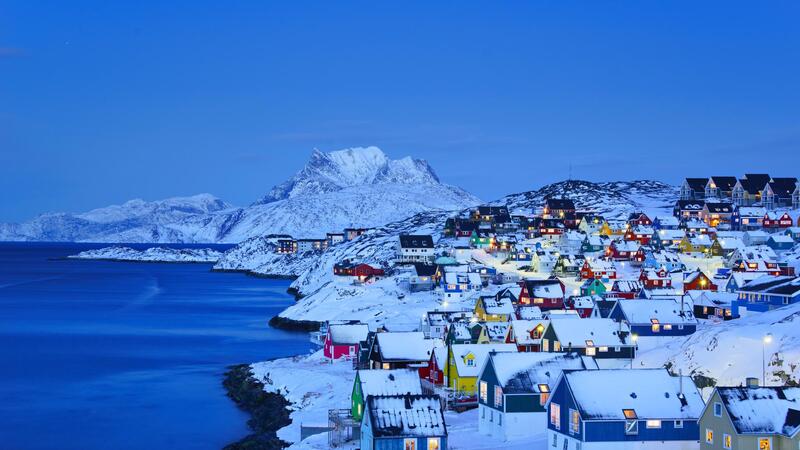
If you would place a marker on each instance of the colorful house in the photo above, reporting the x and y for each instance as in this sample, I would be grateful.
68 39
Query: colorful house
655 278
700 243
745 417
593 286
623 409
623 250
464 363
399 350
640 233
698 281
719 305
342 340
526 334
625 289
769 292
598 268
600 338
667 238
583 305
649 318
404 422
490 308
546 294
513 390
381 382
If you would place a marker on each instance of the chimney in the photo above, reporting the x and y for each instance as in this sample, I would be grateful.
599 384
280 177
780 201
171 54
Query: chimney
751 382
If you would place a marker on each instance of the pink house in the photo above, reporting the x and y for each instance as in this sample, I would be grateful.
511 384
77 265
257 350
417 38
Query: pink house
342 340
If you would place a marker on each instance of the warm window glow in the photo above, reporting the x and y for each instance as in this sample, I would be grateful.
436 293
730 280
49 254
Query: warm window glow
629 413
653 424
484 389
555 415
574 421
764 443
434 444
709 436
410 444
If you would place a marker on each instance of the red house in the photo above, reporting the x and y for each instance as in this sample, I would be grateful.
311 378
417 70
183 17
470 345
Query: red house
434 371
623 250
360 271
639 257
641 234
654 279
546 294
775 221
342 340
697 281
639 219
598 268
583 305
526 334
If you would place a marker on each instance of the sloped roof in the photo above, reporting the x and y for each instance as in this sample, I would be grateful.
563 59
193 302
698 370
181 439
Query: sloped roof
719 207
389 382
544 288
651 393
416 241
480 352
559 203
405 346
763 410
344 334
524 372
406 415
724 183
666 311
602 332
697 184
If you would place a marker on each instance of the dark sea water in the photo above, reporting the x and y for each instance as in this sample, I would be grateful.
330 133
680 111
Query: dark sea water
127 355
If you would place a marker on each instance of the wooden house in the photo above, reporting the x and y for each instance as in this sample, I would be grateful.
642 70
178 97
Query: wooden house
700 243
667 238
598 268
747 190
464 362
546 294
776 221
584 304
526 334
717 214
413 248
665 223
688 209
651 318
558 208
748 217
600 338
655 278
627 289
342 340
697 281
466 332
381 382
613 228
623 250
514 389
434 373
490 308
638 219
623 409
693 188
725 246
593 286
403 422
720 187
400 350
719 305
591 224
639 233
568 265
780 242
361 272
745 417
778 192
769 292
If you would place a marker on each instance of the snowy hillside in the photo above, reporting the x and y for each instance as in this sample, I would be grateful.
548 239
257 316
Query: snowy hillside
731 351
358 187
612 199
153 254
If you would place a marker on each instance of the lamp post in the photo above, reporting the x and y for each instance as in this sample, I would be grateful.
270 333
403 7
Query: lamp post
634 339
767 339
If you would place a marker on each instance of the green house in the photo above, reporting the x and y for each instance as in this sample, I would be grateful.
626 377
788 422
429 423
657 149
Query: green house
593 286
481 239
382 382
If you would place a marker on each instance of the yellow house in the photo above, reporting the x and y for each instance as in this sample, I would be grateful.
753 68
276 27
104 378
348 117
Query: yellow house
464 362
488 308
695 244
613 228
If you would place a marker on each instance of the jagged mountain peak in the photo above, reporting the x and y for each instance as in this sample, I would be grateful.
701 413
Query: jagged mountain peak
336 170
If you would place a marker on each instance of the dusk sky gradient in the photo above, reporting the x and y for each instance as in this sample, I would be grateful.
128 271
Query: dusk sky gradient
102 102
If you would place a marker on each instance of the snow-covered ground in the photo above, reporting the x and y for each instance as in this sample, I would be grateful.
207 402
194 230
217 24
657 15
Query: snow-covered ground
152 254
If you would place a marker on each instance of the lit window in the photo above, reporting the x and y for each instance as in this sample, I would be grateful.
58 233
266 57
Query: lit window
483 391
709 436
653 424
765 443
726 441
574 421
409 444
629 414
544 393
434 443
498 396
555 415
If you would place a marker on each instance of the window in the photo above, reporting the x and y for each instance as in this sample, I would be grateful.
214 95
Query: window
629 414
545 394
555 415
483 412
617 348
680 327
409 444
678 424
385 366
491 415
655 325
498 397
555 440
484 388
718 409
667 327
470 362
765 443
726 441
500 418
434 444
653 424
631 427
590 351
574 422
709 436
603 349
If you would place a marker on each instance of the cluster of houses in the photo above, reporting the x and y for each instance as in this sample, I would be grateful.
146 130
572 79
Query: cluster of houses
549 344
286 244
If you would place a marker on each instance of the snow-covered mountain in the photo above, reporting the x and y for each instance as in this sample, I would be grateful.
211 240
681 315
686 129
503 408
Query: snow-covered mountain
612 199
358 187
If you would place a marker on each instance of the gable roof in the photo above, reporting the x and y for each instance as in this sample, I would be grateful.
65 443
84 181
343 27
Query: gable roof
524 372
783 187
724 183
779 285
544 288
719 207
343 334
651 393
602 332
763 410
666 311
416 241
697 184
559 203
405 346
389 382
479 352
406 415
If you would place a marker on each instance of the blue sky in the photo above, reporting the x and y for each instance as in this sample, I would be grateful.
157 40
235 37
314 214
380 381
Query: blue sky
103 101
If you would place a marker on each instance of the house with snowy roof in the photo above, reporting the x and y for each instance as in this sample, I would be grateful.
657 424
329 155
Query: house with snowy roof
603 307
663 258
546 294
745 417
649 318
688 209
655 278
598 268
748 189
594 243
697 281
591 224
600 338
434 323
778 192
667 238
399 350
381 382
513 389
464 362
342 340
717 214
720 187
466 332
696 226
738 279
623 409
413 248
714 305
592 286
404 422
568 265
613 228
777 221
625 289
748 217
622 250
699 243
665 223
725 246
544 260
496 331
755 238
582 304
780 242
459 285
693 188
794 233
639 233
526 334
491 308
434 373
769 292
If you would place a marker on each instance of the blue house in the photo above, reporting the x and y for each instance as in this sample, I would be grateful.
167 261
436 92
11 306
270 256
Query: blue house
623 409
656 317
403 422
780 242
656 259
769 292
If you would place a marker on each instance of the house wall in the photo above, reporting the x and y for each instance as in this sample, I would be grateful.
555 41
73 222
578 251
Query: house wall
398 443
614 430
506 426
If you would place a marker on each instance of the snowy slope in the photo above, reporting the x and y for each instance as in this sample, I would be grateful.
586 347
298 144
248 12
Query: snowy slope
358 187
153 254
731 351
612 199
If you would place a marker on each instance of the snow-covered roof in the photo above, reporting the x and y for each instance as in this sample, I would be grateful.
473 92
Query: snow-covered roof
348 334
712 299
700 240
763 410
471 278
666 311
751 211
524 372
667 220
523 329
626 246
782 239
389 382
496 306
730 243
496 331
406 415
479 352
627 286
405 346
651 393
671 235
777 285
584 302
544 288
601 332
529 312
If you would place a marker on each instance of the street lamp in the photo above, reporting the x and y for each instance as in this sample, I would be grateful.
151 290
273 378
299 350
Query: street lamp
634 339
764 342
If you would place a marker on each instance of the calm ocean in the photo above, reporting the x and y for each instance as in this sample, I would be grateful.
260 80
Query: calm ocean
127 355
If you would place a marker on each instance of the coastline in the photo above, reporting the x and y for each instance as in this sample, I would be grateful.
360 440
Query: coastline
268 411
